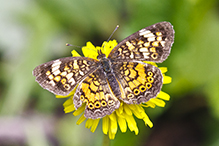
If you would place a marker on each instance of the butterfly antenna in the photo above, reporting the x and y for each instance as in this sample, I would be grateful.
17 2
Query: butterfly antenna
67 44
91 49
117 26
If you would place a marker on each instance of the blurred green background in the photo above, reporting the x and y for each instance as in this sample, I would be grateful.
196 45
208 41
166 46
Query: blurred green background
33 32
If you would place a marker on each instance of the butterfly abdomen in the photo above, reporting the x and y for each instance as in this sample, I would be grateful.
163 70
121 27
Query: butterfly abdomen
114 86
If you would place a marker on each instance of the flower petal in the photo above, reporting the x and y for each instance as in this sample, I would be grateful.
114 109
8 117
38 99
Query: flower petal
89 123
137 114
122 124
81 119
108 46
127 109
147 121
151 63
121 108
119 114
112 116
113 126
158 102
163 69
149 104
111 135
132 106
68 102
132 124
69 108
105 124
167 79
94 125
75 54
79 110
90 51
163 95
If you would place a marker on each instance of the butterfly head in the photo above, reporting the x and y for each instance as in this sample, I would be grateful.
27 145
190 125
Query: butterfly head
100 55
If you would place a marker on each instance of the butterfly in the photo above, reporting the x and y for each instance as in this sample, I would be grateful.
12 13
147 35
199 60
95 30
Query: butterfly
105 82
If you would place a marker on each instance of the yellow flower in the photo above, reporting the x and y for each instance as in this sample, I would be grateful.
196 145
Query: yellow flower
122 117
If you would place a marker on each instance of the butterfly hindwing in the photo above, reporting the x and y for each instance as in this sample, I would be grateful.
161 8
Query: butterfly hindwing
95 92
152 43
139 82
62 75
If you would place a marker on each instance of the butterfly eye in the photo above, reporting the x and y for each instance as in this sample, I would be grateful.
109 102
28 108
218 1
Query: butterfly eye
148 85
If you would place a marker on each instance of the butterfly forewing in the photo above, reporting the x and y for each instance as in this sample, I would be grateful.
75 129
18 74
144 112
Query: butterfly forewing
152 43
62 75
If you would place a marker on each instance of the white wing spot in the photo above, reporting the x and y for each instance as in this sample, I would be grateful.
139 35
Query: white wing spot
150 39
56 66
132 55
68 76
50 77
159 38
72 81
56 72
52 83
149 35
146 55
144 32
64 73
162 43
143 49
147 44
130 46
56 63
81 72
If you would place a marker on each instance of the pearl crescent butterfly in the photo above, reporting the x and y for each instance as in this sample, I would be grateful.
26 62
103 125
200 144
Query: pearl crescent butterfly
106 81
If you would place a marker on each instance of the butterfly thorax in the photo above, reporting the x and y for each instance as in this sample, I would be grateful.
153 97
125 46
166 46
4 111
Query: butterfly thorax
106 64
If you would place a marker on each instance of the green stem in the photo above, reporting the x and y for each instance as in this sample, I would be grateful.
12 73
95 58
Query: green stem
106 140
